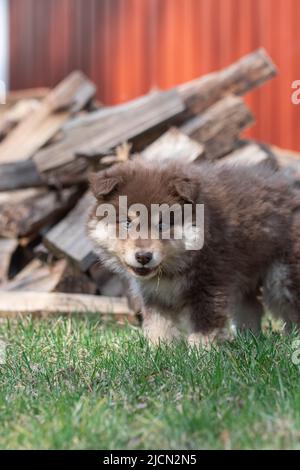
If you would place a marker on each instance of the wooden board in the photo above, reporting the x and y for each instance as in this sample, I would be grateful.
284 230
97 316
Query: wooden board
110 128
69 237
38 127
25 212
32 303
173 145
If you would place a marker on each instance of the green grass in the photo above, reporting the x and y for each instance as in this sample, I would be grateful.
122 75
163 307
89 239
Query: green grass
80 384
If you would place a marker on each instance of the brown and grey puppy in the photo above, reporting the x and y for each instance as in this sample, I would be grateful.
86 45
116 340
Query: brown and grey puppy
251 247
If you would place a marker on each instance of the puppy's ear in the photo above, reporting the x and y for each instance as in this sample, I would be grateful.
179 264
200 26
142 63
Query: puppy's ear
186 188
102 185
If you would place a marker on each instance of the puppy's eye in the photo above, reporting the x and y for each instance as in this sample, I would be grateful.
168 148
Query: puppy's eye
162 227
126 224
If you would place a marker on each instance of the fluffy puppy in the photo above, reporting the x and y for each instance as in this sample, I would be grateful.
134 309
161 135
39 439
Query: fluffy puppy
250 255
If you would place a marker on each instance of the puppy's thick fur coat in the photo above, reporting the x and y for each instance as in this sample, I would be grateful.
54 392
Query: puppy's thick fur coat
250 256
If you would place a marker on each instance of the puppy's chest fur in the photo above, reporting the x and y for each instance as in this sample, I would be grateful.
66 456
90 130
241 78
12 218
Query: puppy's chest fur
167 295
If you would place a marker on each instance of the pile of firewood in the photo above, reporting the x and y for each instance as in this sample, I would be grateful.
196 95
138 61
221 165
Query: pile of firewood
50 140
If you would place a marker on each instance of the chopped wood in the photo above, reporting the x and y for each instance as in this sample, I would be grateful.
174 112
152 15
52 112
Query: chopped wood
154 109
59 277
7 249
69 237
46 158
109 160
42 253
36 130
75 281
286 152
30 135
219 127
110 129
28 94
37 303
36 276
103 113
25 212
121 154
15 114
106 112
75 172
249 72
19 175
173 145
250 154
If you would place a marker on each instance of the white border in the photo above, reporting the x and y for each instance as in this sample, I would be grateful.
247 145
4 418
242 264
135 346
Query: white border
4 50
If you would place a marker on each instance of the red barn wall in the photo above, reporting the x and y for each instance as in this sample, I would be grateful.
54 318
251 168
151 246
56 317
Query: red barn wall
130 46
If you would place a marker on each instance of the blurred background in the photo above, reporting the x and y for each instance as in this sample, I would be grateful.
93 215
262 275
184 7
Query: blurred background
128 47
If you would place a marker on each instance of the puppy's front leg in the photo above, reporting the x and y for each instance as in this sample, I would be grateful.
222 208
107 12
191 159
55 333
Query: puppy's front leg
207 322
159 329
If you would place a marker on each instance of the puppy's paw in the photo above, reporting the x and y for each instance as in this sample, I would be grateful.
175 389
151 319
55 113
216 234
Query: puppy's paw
198 340
219 336
160 330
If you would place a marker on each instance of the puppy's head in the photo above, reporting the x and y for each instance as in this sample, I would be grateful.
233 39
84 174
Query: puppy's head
137 216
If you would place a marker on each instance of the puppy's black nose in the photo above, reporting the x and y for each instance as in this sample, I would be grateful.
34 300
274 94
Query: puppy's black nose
143 257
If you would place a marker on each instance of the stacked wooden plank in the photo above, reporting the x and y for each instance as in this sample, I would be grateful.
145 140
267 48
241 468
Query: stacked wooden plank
50 140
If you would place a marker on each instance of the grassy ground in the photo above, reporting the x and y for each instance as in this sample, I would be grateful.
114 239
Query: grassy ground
78 384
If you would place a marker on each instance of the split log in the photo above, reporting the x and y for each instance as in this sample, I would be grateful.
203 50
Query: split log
249 72
249 155
99 129
19 175
42 253
24 174
105 112
173 145
219 127
58 277
75 281
39 303
75 172
16 114
36 276
69 237
15 96
25 212
111 127
7 249
36 130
